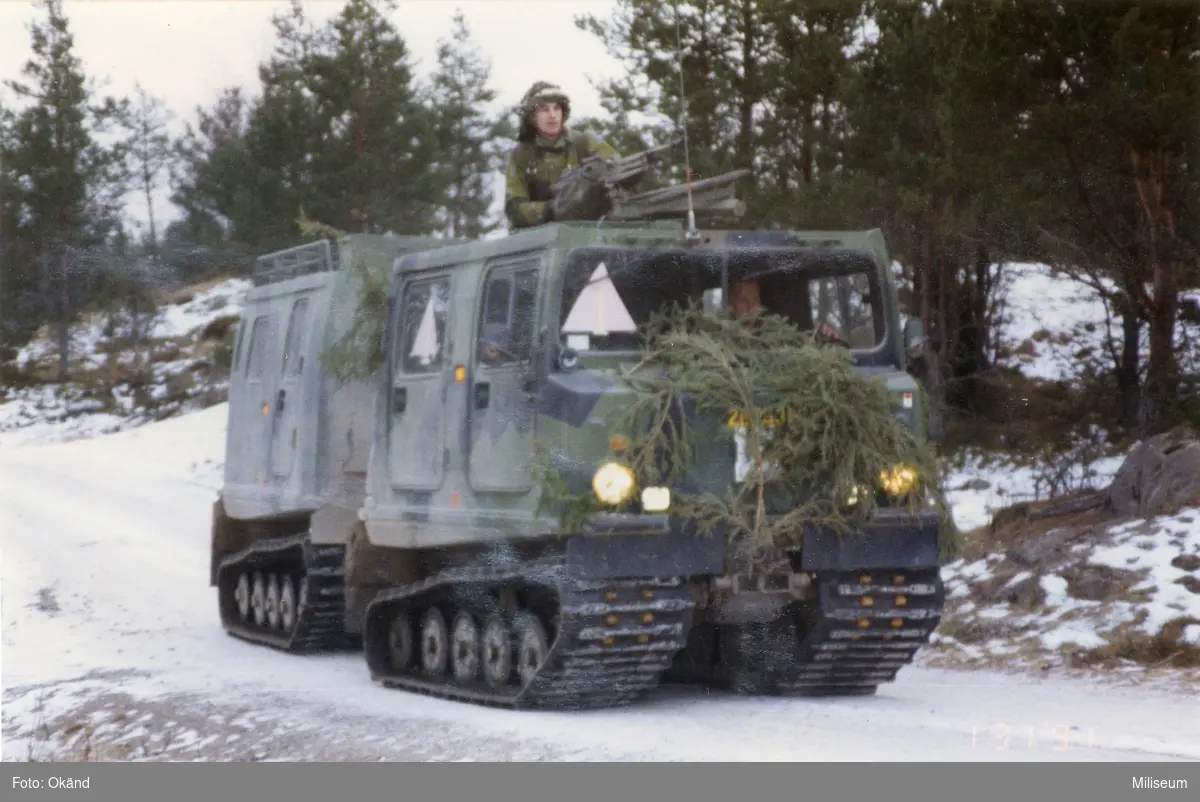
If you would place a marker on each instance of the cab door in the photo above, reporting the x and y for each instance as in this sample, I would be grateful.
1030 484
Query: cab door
502 401
420 370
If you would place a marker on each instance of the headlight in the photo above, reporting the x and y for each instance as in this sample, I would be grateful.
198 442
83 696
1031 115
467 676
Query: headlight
857 493
898 479
656 499
613 483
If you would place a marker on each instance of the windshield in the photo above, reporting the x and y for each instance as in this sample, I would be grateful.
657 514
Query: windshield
608 293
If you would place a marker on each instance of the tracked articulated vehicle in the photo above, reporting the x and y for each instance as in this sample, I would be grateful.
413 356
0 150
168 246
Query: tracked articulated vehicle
400 512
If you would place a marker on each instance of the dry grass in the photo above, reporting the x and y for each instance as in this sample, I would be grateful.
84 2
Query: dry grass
219 328
975 543
1164 650
1029 520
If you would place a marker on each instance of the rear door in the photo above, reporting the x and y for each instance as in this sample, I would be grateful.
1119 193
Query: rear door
288 396
257 401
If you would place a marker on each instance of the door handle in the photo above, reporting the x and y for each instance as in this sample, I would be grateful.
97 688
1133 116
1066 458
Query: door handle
399 399
482 390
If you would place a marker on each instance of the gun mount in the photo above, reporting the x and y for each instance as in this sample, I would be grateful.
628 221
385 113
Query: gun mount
713 196
599 189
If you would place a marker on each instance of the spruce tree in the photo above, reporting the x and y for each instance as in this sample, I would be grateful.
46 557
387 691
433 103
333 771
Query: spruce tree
470 140
378 141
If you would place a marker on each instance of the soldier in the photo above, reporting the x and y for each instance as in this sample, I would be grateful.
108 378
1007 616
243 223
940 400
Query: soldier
745 303
744 299
545 148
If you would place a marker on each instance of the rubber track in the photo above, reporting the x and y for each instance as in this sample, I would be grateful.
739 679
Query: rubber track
850 648
320 611
594 660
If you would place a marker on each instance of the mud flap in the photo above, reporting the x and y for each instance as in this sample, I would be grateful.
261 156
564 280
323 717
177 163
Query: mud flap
909 541
619 548
220 540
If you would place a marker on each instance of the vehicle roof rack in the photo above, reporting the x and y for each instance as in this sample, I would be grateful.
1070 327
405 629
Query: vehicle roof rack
320 256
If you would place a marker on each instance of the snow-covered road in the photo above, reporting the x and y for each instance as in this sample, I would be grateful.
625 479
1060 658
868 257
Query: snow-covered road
112 649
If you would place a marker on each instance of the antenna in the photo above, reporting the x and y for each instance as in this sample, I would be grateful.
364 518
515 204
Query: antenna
692 235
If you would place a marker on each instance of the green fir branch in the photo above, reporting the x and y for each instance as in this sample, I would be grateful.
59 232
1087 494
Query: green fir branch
357 354
837 436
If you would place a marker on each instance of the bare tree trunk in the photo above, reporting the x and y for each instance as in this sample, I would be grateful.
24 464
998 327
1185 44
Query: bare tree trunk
1150 175
749 80
1128 383
64 318
148 185
925 284
134 331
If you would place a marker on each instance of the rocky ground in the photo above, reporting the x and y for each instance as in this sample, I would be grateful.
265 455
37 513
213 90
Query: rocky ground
1106 579
178 365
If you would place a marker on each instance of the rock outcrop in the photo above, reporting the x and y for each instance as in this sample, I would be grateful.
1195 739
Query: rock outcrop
1160 475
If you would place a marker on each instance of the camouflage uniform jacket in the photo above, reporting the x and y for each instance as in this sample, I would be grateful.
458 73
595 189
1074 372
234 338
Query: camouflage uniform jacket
534 166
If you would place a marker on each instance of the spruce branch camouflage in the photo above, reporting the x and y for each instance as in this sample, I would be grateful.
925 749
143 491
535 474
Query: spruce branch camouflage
816 433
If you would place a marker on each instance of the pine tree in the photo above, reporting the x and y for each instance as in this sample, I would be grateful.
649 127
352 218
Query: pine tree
249 163
215 178
16 324
714 56
1113 96
151 151
469 140
72 184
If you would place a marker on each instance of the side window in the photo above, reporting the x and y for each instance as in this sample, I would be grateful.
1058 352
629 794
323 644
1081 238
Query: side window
258 345
509 306
422 334
293 362
845 304
499 297
524 308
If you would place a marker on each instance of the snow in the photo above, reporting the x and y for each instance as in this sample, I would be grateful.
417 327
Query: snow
980 484
83 408
85 338
1153 553
1160 591
1066 322
1055 588
45 414
182 320
118 653
1071 632
1040 304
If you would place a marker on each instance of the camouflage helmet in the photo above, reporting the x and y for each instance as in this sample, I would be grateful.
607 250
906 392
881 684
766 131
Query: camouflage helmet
540 92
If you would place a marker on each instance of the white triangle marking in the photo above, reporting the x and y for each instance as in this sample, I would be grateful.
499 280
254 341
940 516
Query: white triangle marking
425 344
599 310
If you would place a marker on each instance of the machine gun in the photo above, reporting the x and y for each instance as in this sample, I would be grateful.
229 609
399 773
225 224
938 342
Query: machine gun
599 188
